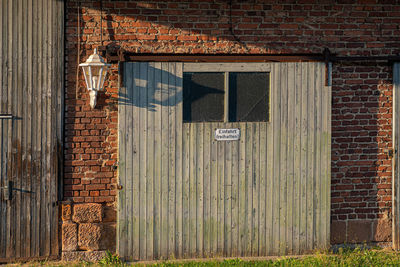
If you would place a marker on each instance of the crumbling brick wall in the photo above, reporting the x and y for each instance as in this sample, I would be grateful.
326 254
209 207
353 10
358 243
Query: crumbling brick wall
362 91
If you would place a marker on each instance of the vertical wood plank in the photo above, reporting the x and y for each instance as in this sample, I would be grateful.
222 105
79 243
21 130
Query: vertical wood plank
134 193
249 188
214 192
235 195
150 162
192 190
185 189
164 159
122 235
317 196
207 190
290 157
221 195
262 162
142 83
310 156
297 158
172 161
228 196
199 190
179 155
303 158
157 163
276 226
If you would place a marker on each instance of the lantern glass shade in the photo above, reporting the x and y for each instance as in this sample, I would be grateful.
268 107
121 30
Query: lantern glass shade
95 71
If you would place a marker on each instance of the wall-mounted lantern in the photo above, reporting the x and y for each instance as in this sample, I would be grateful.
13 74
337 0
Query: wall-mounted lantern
95 71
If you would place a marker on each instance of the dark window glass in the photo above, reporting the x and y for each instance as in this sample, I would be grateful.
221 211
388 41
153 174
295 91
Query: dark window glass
248 96
203 96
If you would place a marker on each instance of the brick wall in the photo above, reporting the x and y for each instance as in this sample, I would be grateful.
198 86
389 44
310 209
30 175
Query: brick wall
362 91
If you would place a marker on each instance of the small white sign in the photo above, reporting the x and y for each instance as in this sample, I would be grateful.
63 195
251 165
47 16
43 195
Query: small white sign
227 134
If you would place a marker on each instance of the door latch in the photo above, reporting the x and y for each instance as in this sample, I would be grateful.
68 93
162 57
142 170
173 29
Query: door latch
7 191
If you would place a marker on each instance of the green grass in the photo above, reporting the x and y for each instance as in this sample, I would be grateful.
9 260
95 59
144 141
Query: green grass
344 257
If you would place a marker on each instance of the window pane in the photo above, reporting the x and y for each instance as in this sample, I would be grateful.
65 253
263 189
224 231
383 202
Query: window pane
203 96
248 96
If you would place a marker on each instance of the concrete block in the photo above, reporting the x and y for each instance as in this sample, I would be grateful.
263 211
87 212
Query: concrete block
338 232
359 231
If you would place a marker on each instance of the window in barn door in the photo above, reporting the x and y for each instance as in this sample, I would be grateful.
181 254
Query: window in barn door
228 96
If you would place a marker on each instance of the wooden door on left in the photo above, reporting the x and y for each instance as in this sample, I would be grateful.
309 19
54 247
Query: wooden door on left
31 93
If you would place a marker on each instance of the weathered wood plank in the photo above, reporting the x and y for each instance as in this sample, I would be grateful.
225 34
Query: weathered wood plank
134 179
171 156
179 155
214 191
207 190
192 190
185 189
150 159
122 236
221 195
228 197
318 87
297 158
276 76
164 159
303 158
235 196
290 156
255 181
310 156
262 188
157 164
242 190
141 86
199 168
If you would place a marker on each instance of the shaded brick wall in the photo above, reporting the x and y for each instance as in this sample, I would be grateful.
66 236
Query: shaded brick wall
362 91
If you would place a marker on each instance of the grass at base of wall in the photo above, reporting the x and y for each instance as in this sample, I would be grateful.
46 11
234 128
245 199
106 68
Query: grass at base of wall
344 257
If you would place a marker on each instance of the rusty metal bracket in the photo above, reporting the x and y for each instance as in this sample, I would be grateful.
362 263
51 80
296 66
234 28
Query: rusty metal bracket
7 190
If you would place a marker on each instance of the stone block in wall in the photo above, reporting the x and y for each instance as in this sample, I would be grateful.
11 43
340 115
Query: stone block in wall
359 231
90 256
338 232
87 213
383 230
69 237
89 236
66 212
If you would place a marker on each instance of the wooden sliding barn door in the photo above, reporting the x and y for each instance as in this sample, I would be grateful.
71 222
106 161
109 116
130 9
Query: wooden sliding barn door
31 93
185 194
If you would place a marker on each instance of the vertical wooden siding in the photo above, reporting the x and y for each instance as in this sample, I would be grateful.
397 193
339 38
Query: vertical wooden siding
396 158
31 88
186 195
